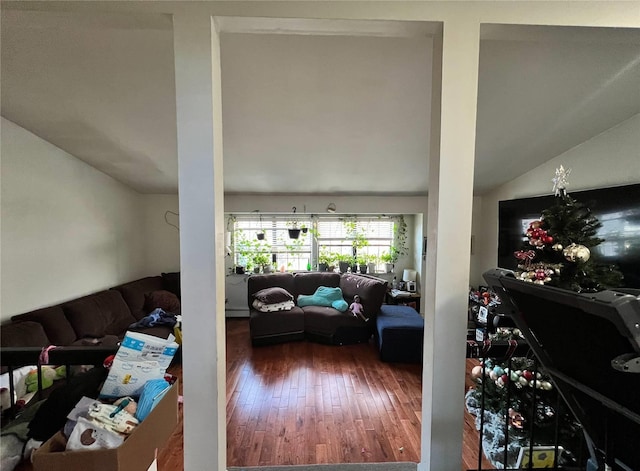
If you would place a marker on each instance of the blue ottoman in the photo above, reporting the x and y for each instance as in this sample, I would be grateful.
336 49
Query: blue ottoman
399 333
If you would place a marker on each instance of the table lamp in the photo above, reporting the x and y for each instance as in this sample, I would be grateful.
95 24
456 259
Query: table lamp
409 277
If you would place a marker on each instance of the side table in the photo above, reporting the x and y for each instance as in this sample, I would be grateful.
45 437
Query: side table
405 298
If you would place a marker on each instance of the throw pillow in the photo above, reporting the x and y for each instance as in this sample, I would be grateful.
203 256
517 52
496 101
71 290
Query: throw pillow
283 306
273 295
171 282
324 296
162 299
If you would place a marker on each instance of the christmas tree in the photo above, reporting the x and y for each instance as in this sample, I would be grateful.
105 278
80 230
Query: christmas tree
558 250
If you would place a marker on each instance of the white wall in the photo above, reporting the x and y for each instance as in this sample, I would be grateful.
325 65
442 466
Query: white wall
609 159
162 240
67 229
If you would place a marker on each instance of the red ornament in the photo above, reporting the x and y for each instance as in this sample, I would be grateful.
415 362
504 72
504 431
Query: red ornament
505 378
548 239
528 375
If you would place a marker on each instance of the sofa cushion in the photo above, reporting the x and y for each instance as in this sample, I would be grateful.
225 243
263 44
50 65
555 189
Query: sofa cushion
273 295
163 299
99 314
54 323
326 320
23 334
370 289
256 283
263 324
134 291
171 282
309 282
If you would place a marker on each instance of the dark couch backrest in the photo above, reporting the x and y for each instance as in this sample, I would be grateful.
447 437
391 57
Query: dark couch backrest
99 314
256 283
370 289
309 282
54 323
134 291
23 334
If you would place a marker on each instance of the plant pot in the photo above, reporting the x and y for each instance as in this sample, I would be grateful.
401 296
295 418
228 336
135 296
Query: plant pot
304 230
344 267
260 235
354 268
266 269
256 269
371 267
363 269
239 270
294 233
322 266
388 267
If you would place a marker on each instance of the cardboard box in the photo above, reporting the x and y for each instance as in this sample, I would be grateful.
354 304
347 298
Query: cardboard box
136 453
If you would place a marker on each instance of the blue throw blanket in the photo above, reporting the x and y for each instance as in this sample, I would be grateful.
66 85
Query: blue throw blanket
156 317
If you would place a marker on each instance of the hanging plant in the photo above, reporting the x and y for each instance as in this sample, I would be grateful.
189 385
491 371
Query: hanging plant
399 248
294 233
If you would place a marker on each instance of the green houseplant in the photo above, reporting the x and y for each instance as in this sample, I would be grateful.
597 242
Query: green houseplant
344 261
387 259
260 259
325 260
362 261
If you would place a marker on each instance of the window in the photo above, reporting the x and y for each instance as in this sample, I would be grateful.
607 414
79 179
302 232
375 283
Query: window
263 240
366 238
275 248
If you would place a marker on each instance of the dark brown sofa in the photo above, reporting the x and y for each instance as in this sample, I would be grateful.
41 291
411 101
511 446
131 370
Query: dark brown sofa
105 316
316 323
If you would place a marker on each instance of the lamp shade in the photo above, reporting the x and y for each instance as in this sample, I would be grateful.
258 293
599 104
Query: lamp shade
409 275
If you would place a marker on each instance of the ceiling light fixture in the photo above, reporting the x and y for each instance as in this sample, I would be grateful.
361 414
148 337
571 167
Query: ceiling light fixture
331 208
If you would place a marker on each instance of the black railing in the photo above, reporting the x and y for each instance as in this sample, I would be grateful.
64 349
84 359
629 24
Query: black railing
17 357
522 421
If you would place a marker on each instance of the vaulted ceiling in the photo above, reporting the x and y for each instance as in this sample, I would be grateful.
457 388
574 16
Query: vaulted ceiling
342 108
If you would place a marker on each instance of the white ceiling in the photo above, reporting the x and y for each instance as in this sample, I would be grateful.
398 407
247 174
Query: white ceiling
318 112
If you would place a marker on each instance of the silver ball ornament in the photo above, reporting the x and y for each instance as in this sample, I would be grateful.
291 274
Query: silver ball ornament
582 253
570 252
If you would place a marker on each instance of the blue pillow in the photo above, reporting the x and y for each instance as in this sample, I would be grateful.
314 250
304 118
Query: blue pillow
324 296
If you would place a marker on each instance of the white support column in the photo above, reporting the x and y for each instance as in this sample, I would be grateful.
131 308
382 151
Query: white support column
454 103
199 125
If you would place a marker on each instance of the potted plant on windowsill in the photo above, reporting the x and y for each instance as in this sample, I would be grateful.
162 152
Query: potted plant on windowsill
373 263
344 260
362 263
325 259
261 260
387 259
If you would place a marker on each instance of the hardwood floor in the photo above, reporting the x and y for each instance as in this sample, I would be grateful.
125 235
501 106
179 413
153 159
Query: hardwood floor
306 403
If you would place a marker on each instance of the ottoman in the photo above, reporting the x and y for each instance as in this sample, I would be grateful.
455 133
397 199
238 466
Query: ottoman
399 334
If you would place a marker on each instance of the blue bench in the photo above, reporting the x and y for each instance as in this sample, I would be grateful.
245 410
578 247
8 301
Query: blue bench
399 334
